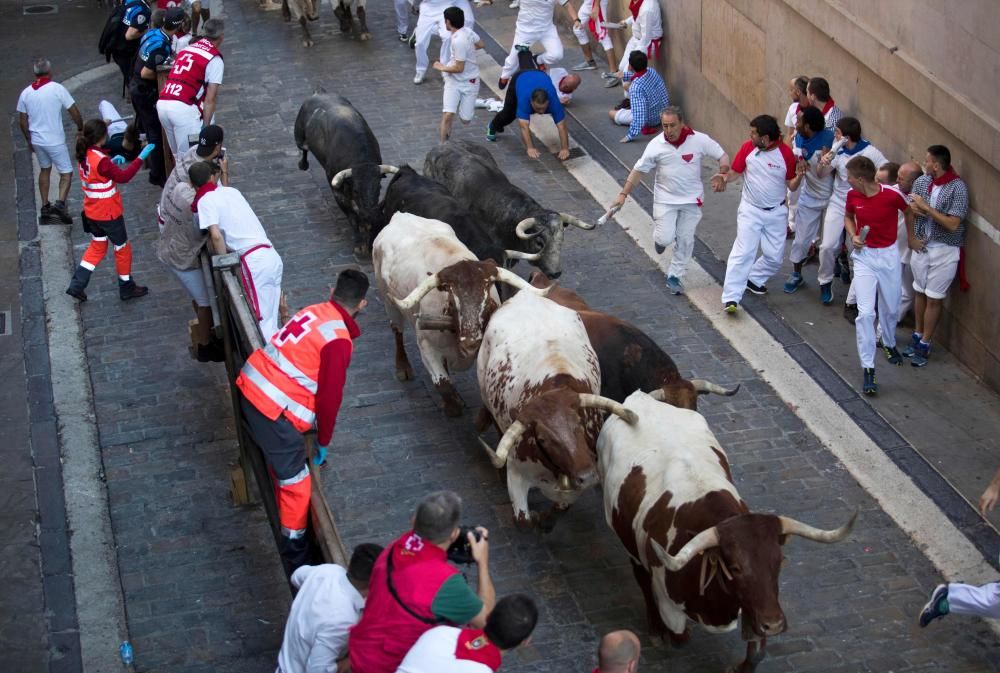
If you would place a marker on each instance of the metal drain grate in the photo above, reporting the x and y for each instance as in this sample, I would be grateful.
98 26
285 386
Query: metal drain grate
41 9
5 326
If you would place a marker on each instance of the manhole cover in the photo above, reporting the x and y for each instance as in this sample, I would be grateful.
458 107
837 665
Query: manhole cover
41 9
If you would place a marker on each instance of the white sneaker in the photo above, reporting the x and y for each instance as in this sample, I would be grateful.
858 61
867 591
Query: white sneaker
514 4
586 65
418 78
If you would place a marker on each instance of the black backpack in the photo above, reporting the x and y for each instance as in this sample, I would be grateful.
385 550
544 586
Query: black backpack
113 36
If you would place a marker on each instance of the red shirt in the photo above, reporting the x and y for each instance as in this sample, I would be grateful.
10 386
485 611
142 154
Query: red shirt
880 212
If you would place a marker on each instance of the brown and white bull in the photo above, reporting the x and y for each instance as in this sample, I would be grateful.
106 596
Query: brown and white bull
539 378
429 279
697 550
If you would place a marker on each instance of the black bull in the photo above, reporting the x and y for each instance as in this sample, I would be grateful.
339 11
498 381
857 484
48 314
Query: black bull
340 138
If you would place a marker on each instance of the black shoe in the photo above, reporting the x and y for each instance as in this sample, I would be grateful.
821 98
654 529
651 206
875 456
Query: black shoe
892 355
869 387
850 312
130 290
59 210
756 289
77 294
660 249
211 352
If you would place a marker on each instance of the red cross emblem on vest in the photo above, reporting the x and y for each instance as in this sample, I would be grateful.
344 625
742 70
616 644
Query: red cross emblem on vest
295 329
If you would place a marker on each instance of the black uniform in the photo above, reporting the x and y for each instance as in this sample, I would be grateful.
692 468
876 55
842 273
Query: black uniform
154 50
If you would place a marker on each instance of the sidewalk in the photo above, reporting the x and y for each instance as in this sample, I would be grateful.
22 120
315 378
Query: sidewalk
942 411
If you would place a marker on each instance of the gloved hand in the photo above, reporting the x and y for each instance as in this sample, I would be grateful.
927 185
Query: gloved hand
147 150
118 160
320 457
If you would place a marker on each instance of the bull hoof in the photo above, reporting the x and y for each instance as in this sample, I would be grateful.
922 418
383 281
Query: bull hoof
679 639
303 165
453 408
312 18
404 374
362 253
366 36
307 43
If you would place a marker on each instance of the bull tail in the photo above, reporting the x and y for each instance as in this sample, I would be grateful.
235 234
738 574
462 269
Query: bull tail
304 161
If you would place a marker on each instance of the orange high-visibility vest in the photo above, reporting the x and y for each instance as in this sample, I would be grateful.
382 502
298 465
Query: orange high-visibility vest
101 200
283 376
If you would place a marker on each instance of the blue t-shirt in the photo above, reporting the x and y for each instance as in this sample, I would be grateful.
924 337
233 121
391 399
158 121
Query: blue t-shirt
527 82
820 140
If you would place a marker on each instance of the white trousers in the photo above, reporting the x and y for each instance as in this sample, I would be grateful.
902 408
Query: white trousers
402 17
431 23
876 278
179 120
793 207
676 224
806 228
754 227
548 36
965 599
632 45
265 269
108 111
906 287
583 32
829 247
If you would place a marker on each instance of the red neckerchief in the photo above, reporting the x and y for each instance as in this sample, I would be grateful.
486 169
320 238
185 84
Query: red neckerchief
633 8
945 178
638 73
685 132
40 82
204 189
472 645
826 107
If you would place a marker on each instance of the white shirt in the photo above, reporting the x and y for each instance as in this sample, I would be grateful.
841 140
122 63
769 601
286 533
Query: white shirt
434 652
765 174
325 608
791 117
556 75
226 207
44 107
647 24
462 45
678 169
536 15
839 164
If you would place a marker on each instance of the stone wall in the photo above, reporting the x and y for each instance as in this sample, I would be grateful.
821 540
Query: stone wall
915 73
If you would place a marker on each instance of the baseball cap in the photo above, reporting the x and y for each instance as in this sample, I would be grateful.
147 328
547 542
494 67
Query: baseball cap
173 18
209 137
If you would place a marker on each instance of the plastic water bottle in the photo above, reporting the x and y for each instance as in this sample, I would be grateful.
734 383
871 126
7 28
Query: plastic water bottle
126 651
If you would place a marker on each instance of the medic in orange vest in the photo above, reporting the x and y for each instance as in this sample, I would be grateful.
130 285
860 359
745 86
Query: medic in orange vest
295 383
103 215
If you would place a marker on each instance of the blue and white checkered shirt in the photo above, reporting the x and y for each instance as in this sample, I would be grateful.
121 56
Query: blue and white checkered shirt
647 99
952 200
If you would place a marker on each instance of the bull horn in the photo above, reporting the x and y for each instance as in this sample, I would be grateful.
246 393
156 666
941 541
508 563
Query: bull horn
522 228
790 526
658 395
703 541
511 278
411 300
509 440
340 177
386 169
608 404
575 221
526 256
703 387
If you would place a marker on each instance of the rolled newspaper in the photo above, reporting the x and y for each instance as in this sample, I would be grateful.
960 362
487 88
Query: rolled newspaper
608 215
863 234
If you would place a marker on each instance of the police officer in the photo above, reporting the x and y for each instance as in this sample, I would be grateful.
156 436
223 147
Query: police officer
154 50
136 15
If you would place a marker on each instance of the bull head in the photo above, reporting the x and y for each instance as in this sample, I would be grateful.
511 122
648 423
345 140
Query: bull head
545 235
748 547
553 420
468 284
684 394
362 190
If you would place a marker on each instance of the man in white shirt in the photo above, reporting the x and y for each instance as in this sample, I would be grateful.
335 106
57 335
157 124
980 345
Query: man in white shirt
39 109
565 83
449 649
594 18
678 192
328 603
800 99
833 221
768 169
232 226
534 24
647 33
430 22
461 73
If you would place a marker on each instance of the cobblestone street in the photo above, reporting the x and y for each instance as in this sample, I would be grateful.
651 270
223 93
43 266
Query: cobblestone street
202 582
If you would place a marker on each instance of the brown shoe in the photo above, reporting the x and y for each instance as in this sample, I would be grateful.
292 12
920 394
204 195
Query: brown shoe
132 291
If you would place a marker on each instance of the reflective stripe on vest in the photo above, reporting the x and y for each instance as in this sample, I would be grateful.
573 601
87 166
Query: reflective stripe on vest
274 393
101 200
285 365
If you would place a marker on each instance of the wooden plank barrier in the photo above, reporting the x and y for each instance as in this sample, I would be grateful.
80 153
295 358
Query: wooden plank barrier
241 337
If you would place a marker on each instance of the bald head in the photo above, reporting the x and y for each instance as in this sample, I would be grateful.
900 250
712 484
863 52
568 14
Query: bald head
908 172
619 653
569 83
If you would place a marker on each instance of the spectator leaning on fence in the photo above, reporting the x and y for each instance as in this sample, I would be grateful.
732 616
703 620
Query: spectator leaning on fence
414 588
39 109
328 602
618 653
450 649
647 97
232 226
941 201
296 383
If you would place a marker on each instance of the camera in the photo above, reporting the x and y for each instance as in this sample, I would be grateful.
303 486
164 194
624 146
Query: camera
460 551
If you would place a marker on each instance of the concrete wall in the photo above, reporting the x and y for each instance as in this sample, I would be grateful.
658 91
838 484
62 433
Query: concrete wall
915 72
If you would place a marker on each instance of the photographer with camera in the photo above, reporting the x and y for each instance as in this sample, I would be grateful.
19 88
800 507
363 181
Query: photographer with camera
414 588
